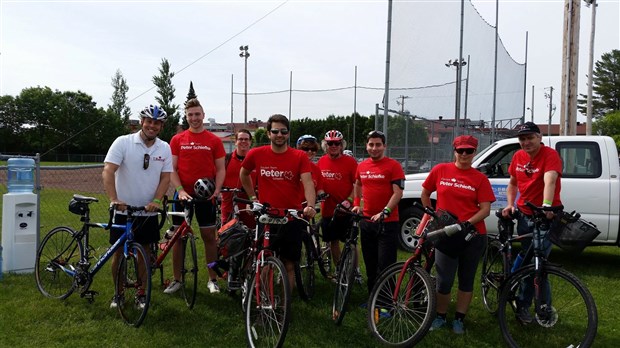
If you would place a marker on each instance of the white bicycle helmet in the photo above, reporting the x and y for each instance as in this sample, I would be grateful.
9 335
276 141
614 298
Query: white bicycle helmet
347 153
155 112
333 135
306 137
204 188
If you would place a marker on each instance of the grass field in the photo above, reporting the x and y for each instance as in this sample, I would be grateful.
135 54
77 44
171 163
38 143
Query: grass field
28 319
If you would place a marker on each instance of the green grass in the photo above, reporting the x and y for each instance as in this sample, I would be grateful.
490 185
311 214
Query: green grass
29 319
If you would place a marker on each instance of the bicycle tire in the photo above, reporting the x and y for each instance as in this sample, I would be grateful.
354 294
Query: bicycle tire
59 249
572 320
267 320
304 269
405 321
494 266
344 283
189 270
129 285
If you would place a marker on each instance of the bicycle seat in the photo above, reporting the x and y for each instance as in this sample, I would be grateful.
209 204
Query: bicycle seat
84 199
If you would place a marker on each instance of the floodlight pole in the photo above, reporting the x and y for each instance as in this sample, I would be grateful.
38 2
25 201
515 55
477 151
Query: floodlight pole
245 54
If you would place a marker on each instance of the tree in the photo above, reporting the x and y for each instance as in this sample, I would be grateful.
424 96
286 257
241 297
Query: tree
190 95
165 91
119 97
260 137
605 86
609 125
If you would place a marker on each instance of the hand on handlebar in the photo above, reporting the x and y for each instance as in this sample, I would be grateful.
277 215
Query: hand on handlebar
309 212
508 211
152 207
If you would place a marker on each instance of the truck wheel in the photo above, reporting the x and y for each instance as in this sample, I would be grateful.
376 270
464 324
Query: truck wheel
410 217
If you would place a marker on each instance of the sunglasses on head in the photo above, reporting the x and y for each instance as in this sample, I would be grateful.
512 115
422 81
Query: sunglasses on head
334 143
147 160
282 131
462 151
375 133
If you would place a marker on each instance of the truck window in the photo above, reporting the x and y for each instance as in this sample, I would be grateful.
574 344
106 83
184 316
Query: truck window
500 161
580 159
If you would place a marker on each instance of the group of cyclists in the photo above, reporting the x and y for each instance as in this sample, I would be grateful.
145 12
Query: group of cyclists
139 168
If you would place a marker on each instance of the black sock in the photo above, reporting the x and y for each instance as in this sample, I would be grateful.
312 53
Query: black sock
459 316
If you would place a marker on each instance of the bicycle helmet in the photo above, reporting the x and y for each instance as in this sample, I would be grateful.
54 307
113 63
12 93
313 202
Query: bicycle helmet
333 135
204 188
306 137
155 112
347 153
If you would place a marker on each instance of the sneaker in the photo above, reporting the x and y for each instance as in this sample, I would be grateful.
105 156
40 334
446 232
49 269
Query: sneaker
213 287
358 276
173 287
438 323
116 300
140 302
458 327
523 315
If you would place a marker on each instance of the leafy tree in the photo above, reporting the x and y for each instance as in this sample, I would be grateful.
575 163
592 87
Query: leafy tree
260 137
119 97
609 125
605 86
10 124
165 91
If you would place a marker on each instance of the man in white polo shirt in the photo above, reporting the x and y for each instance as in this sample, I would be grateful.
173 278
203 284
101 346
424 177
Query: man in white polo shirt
137 172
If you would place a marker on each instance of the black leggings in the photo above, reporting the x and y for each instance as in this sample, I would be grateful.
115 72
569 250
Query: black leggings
466 261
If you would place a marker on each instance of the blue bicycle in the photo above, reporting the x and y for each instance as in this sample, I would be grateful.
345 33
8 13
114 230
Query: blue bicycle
63 263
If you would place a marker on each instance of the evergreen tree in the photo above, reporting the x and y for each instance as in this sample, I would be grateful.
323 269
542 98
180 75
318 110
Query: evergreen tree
119 97
165 98
605 86
190 95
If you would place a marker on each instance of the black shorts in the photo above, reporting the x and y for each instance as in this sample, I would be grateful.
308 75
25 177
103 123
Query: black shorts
285 240
335 228
204 213
145 229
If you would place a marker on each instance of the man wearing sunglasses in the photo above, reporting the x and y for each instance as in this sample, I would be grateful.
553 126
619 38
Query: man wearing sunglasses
197 154
466 194
535 172
281 172
379 182
136 172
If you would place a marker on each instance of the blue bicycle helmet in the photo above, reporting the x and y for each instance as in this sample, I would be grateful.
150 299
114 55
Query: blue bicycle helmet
306 137
155 112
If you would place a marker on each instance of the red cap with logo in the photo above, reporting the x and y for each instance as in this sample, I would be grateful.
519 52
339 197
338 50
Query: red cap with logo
465 142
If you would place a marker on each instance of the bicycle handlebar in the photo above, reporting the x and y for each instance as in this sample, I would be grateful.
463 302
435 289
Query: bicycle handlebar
428 210
358 217
447 231
539 210
132 209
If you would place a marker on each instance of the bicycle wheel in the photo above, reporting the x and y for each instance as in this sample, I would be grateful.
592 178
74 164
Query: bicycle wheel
133 285
344 283
567 316
492 275
402 318
267 313
56 264
189 270
304 269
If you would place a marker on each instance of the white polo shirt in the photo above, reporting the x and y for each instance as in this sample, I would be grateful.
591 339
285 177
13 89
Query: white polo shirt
134 184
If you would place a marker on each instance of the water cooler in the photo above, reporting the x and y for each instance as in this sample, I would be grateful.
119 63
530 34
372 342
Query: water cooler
19 218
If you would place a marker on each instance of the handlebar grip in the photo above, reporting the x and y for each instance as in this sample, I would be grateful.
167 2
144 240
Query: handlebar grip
448 231
242 200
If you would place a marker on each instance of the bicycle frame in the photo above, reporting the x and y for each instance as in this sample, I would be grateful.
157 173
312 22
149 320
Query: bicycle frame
183 230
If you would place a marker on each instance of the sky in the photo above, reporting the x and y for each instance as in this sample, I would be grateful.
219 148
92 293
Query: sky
309 45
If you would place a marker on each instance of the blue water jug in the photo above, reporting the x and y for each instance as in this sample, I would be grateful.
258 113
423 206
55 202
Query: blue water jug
20 175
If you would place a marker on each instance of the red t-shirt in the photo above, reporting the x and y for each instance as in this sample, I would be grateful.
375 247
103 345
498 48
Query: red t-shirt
232 181
338 179
196 154
278 175
530 172
316 180
460 191
376 178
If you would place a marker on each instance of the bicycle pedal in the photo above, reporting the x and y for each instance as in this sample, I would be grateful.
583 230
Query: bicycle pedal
89 295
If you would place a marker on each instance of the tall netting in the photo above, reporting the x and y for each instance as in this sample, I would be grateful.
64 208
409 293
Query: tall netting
425 36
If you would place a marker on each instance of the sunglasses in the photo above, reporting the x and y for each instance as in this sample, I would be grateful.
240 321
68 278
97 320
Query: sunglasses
529 170
282 131
308 149
375 133
147 160
467 151
334 143
243 139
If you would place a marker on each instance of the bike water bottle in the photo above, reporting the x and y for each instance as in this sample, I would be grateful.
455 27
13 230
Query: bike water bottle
518 262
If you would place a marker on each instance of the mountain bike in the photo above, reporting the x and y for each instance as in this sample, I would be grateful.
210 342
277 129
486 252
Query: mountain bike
267 298
564 310
401 305
63 262
189 259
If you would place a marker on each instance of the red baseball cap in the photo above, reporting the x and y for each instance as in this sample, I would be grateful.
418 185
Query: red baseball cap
465 142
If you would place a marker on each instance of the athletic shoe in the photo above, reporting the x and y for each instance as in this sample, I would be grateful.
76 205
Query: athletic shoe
438 323
358 276
458 327
115 301
213 287
141 302
173 287
523 315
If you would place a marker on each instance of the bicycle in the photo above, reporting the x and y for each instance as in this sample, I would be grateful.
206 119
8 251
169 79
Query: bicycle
267 297
313 252
565 311
401 305
189 259
63 262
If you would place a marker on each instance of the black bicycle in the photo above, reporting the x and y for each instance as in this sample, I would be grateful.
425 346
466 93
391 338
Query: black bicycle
564 310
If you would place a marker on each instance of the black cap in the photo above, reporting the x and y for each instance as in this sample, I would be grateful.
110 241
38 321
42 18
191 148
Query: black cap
527 128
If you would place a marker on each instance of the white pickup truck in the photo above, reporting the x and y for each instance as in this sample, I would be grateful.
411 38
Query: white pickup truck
590 183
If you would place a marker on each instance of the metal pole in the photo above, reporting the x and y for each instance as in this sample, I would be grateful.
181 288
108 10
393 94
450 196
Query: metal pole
532 107
525 79
495 72
245 54
354 110
290 102
232 81
386 103
550 114
467 89
590 70
459 71
376 116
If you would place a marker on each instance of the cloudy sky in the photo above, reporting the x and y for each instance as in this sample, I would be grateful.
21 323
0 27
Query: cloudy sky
78 45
